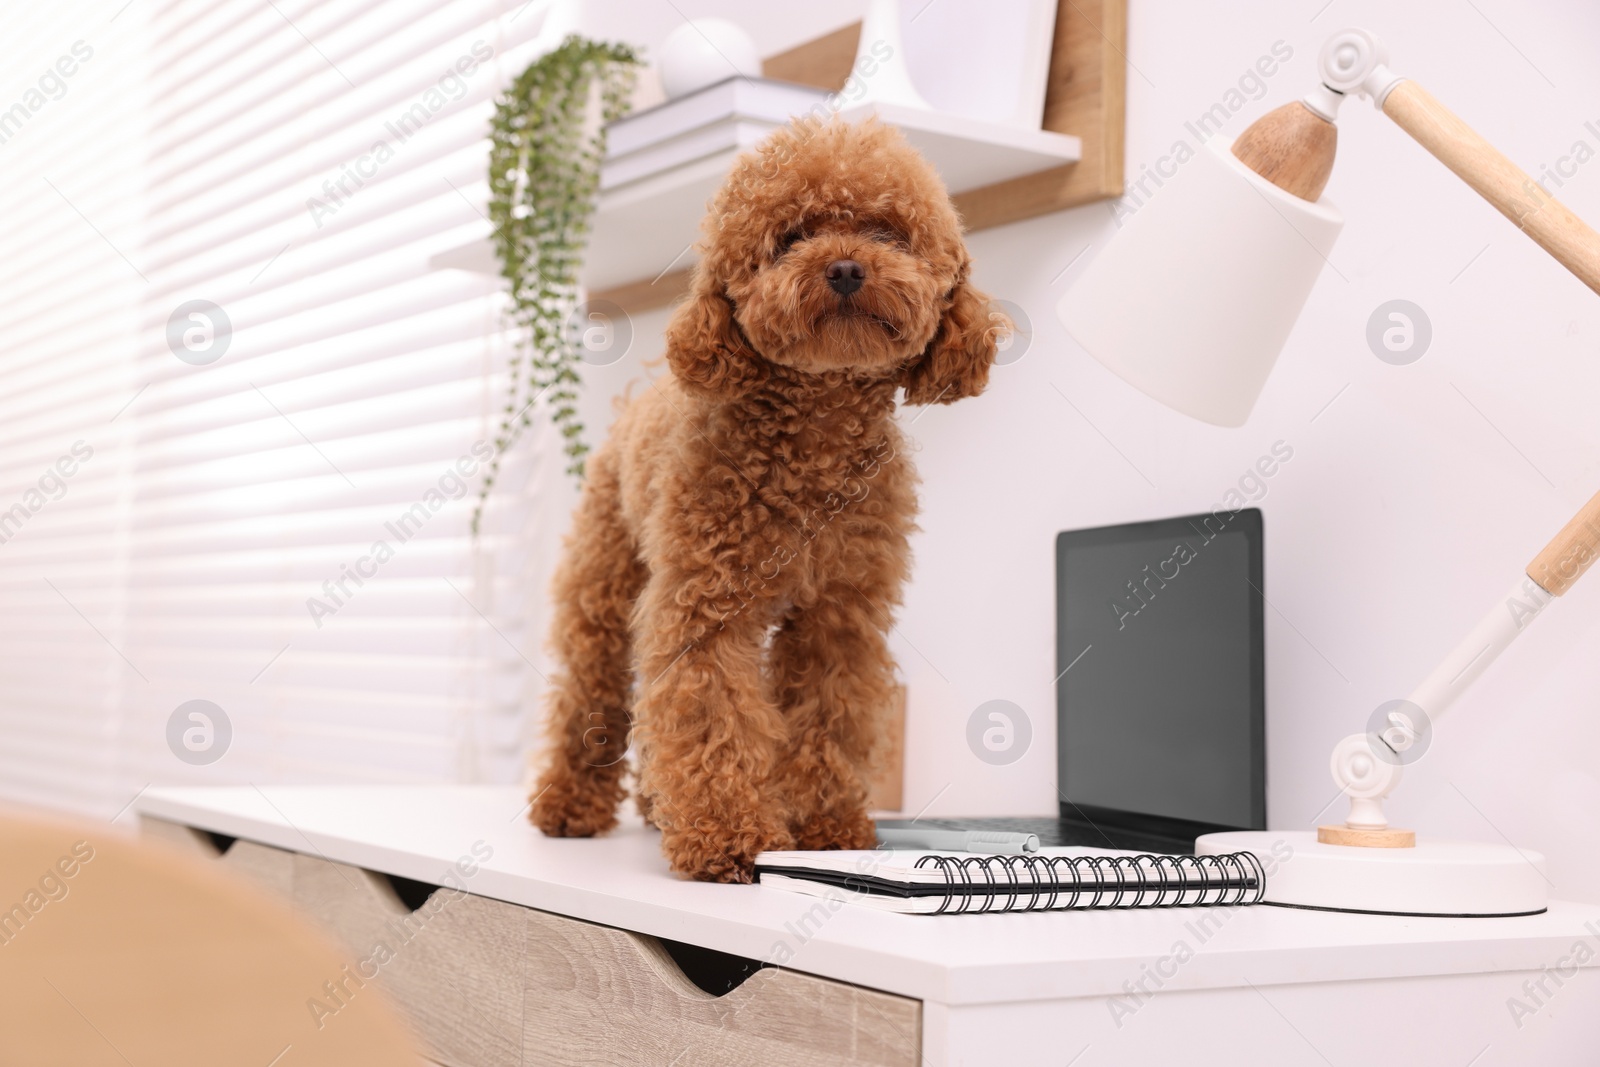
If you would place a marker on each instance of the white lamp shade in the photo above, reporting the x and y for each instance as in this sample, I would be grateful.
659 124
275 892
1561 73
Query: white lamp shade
1194 297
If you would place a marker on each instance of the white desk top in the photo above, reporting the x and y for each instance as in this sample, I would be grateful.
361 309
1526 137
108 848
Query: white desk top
622 880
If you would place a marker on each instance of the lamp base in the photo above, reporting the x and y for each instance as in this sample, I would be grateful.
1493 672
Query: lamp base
1388 837
1462 879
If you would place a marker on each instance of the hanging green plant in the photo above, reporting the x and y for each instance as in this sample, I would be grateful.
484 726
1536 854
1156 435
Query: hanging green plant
544 172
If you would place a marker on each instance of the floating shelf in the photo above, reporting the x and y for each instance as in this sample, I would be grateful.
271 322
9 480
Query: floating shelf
647 228
644 232
970 154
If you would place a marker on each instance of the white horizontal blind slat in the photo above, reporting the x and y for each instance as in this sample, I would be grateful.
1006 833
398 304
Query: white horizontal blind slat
214 543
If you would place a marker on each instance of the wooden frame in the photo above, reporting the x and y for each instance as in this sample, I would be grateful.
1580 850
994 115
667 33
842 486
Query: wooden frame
1086 97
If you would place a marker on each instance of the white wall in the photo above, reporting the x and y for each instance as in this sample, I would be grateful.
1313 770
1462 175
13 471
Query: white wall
1410 502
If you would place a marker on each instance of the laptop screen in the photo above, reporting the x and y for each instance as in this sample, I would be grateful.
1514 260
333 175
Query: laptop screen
1161 699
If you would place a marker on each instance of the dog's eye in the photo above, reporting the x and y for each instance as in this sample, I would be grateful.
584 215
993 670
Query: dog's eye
885 235
788 241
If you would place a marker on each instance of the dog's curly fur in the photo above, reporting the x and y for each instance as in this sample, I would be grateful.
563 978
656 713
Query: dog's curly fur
740 545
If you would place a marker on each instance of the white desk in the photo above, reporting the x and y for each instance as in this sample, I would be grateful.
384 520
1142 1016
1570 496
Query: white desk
1256 985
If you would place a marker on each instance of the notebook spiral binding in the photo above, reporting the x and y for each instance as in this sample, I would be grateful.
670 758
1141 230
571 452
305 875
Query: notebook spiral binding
1153 881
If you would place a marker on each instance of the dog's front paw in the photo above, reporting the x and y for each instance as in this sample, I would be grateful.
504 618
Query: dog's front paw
567 808
722 855
831 830
645 804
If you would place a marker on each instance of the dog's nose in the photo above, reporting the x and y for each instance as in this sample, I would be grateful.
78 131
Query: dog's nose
845 276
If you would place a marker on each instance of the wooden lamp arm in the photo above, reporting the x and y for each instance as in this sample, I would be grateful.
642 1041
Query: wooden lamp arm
1554 227
1570 553
1498 180
1369 766
1550 223
1293 148
1552 572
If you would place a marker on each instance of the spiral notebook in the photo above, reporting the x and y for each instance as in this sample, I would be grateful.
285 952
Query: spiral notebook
930 883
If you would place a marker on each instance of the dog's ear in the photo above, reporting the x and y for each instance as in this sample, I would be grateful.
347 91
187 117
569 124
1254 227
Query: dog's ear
956 362
705 347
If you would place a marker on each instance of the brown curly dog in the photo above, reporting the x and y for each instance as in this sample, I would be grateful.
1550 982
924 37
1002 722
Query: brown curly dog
740 545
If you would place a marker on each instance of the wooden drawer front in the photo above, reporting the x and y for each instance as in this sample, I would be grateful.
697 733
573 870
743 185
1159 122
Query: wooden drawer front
270 868
605 996
454 965
484 983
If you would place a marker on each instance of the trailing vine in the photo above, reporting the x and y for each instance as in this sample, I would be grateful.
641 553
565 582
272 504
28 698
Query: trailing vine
544 172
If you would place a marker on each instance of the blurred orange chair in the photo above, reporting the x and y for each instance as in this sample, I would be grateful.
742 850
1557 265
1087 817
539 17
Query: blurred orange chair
119 952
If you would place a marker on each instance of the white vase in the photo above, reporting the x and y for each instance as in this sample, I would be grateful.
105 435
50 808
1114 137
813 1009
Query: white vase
882 50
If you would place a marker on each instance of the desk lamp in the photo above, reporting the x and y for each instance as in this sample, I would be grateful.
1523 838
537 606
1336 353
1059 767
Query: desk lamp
1192 302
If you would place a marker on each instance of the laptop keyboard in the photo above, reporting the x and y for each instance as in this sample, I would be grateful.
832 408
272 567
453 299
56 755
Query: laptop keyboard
1053 833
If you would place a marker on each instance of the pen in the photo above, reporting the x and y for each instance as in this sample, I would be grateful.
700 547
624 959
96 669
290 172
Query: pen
959 840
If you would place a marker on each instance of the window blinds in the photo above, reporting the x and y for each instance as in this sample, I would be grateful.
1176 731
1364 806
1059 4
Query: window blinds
243 418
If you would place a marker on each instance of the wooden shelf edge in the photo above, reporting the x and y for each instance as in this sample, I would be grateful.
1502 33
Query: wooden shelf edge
646 294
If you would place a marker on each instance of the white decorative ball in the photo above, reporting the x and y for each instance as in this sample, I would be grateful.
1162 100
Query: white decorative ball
703 52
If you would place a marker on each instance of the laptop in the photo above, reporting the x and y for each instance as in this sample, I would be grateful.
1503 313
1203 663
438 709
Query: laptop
1161 687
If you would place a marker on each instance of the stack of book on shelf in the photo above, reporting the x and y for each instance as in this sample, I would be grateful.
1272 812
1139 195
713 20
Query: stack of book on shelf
725 118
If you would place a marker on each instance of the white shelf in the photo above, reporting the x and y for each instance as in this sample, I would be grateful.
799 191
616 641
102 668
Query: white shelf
648 227
971 154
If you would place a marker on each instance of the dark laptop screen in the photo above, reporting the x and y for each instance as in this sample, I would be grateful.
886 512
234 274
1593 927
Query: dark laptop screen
1162 709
